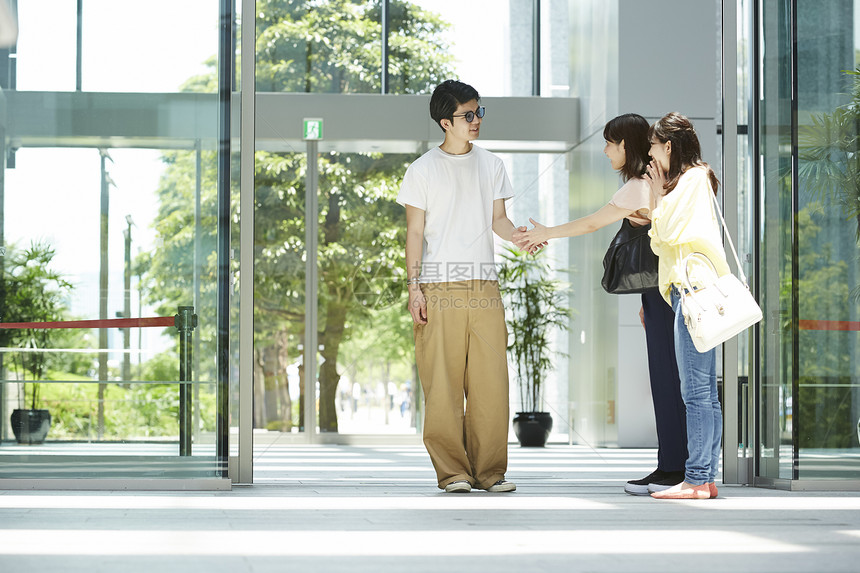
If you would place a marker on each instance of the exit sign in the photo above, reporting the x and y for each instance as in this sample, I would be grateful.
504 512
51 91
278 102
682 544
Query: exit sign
313 128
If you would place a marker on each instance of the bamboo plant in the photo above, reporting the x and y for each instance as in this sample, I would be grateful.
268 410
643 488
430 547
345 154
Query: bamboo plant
535 305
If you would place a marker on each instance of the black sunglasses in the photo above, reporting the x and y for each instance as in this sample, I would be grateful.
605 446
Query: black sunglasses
469 116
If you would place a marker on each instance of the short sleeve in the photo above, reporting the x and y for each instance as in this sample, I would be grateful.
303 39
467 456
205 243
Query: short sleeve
413 190
503 188
634 196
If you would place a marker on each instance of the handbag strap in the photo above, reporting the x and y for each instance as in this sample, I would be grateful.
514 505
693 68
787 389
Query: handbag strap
729 239
687 282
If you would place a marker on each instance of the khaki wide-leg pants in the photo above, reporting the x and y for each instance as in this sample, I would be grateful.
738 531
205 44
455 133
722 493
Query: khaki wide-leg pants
461 356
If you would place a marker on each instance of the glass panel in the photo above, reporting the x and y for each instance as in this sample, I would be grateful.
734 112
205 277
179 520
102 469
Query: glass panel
279 291
542 192
596 329
487 43
122 49
746 242
776 208
367 378
110 215
311 51
336 47
828 399
46 65
809 428
493 49
361 389
491 43
140 263
126 50
366 381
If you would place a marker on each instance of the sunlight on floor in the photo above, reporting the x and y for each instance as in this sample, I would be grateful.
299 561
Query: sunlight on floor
383 543
475 501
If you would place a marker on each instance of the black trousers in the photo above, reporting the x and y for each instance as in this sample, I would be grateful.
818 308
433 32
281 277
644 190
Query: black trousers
669 410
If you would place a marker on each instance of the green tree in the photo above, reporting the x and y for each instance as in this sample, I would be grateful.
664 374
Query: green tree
309 46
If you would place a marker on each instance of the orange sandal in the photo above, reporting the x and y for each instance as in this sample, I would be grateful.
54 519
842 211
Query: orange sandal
685 490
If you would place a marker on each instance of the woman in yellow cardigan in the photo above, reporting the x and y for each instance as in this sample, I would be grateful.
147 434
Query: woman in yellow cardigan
683 221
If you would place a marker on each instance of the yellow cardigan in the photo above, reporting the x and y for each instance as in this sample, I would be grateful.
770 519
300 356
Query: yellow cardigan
684 222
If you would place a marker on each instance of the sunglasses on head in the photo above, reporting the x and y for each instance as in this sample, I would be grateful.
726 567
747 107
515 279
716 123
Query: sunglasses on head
469 116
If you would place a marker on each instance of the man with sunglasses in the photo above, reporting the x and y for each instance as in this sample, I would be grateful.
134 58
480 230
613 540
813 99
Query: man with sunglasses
455 200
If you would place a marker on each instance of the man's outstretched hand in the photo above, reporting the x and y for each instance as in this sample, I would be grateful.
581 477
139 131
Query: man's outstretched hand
529 241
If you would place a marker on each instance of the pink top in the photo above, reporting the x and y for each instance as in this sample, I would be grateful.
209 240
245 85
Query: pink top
635 196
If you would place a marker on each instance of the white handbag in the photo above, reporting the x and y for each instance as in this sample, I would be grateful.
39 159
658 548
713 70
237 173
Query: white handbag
723 307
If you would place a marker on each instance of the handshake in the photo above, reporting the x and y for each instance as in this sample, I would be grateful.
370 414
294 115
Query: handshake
531 240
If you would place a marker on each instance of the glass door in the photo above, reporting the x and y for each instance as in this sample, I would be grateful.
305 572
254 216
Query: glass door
108 234
809 392
367 378
827 396
777 208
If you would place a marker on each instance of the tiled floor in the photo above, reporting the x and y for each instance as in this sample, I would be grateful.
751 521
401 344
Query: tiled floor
351 508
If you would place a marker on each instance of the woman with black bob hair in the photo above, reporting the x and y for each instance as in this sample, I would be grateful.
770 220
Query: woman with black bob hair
627 149
684 221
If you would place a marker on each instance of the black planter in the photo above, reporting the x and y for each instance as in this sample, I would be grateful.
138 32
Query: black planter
30 426
532 428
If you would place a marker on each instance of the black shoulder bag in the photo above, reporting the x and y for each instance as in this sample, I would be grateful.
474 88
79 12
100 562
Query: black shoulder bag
629 266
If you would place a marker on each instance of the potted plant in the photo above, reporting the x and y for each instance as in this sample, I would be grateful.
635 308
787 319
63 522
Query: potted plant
30 425
31 292
535 305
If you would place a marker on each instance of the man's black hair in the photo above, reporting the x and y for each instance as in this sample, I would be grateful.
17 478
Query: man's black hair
447 97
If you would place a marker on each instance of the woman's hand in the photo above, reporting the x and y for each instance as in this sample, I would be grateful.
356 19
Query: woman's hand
656 178
533 240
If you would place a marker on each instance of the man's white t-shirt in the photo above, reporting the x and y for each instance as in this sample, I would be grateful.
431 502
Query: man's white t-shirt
456 193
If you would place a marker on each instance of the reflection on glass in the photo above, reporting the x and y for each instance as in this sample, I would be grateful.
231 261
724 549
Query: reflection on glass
110 220
810 407
828 223
746 244
490 42
366 381
279 287
117 52
335 46
541 183
365 345
52 272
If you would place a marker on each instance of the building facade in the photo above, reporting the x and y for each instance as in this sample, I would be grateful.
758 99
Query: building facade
211 189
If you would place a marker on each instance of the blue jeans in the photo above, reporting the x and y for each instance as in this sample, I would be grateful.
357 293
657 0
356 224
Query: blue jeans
698 373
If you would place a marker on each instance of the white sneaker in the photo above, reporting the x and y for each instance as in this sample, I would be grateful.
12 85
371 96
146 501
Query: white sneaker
674 479
502 485
461 486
